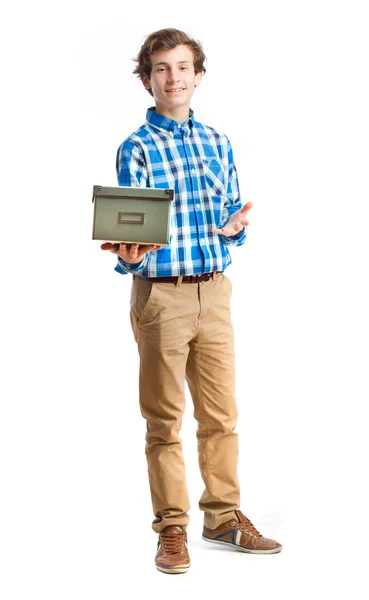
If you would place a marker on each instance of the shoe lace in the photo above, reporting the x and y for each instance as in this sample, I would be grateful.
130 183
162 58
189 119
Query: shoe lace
249 528
173 543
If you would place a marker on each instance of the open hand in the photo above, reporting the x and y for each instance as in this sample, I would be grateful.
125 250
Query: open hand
236 222
131 255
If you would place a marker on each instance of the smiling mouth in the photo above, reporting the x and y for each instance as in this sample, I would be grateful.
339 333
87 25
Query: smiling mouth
175 90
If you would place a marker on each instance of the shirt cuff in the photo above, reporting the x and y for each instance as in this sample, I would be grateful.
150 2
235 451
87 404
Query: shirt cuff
123 267
235 240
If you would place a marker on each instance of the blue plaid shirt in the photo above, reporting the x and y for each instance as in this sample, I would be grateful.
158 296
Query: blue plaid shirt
197 162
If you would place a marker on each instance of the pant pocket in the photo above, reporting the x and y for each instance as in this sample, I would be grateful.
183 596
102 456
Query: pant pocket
227 282
141 298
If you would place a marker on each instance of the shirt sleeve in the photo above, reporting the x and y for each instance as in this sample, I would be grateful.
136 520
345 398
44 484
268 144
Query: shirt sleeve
131 172
232 204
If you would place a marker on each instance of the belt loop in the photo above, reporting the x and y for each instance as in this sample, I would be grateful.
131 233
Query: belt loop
213 275
179 280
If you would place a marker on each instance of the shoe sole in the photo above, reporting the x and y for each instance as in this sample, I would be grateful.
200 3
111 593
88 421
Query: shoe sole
175 570
242 549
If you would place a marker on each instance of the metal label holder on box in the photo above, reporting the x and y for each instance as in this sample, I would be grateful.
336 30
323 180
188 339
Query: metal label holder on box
132 215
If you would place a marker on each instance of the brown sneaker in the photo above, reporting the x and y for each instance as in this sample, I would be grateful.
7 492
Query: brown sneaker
172 555
242 535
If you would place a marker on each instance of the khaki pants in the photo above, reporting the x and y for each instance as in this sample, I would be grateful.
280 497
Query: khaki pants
185 332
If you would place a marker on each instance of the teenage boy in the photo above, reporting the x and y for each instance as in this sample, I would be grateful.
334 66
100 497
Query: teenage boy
180 303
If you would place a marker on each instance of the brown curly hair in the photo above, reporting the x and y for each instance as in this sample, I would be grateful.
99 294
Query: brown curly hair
167 39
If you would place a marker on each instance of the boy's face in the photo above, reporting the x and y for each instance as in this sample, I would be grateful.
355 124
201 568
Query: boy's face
172 81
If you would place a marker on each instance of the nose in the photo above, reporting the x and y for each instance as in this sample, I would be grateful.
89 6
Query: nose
173 76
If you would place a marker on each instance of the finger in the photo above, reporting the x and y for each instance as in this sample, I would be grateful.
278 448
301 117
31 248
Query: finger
226 231
123 251
134 251
108 246
149 248
245 209
145 249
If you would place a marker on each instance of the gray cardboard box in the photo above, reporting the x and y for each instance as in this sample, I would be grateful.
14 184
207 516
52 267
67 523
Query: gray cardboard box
131 214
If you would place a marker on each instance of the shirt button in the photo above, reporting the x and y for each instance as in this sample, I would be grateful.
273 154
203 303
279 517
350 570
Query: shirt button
193 171
197 205
202 240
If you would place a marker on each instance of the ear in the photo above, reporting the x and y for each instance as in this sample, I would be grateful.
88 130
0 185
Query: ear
198 78
146 82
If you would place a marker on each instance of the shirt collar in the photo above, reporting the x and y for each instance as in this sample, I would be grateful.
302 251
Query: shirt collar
170 125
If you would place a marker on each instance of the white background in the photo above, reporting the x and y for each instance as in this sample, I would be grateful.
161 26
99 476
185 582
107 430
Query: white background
288 83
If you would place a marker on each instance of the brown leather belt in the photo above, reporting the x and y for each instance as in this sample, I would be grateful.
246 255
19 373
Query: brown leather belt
185 278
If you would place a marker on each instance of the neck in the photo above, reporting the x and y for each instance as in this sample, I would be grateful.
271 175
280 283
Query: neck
179 113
